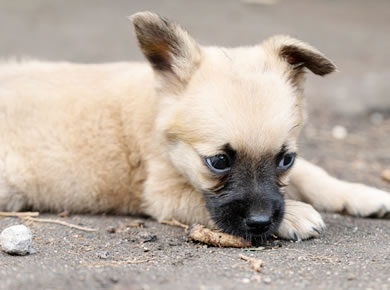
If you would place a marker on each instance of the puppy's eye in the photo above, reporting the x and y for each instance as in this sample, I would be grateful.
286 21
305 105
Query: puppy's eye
219 163
287 161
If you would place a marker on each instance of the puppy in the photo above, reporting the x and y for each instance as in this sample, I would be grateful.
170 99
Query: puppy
202 134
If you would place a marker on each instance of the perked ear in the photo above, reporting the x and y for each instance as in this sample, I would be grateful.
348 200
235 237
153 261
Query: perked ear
299 55
171 51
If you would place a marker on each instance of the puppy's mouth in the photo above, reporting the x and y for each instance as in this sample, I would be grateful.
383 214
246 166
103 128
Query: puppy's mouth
254 221
247 200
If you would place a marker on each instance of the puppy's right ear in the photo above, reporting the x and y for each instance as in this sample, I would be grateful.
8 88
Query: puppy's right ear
171 51
298 55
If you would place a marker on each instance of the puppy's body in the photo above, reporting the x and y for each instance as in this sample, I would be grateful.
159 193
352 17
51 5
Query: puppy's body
79 137
128 139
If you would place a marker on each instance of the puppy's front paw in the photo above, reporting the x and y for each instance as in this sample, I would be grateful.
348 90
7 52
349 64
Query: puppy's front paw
301 221
365 201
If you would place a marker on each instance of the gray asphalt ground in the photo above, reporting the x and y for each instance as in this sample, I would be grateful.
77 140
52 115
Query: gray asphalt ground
353 253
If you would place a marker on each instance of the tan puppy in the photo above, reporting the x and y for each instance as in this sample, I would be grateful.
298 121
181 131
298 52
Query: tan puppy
203 135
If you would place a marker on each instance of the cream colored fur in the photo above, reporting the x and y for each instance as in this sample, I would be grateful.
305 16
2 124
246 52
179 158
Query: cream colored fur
127 139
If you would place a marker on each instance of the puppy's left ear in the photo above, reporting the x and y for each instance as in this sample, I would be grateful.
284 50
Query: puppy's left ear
172 52
298 55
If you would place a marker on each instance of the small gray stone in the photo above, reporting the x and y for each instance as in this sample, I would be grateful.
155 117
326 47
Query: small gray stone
267 280
16 240
103 255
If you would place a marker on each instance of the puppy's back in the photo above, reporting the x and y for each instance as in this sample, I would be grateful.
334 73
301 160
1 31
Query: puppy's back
66 135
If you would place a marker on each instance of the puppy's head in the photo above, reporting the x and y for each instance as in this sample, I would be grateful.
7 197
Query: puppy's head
230 118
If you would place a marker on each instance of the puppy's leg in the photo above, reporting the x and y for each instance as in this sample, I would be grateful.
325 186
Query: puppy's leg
300 221
179 202
167 195
324 192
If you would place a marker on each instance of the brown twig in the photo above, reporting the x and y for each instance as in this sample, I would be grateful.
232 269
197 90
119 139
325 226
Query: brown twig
204 235
18 214
117 263
130 262
174 222
257 264
136 224
60 223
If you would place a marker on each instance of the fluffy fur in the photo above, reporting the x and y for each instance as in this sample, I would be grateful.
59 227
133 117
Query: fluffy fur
132 138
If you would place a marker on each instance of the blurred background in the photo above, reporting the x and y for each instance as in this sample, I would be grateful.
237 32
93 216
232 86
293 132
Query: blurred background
354 33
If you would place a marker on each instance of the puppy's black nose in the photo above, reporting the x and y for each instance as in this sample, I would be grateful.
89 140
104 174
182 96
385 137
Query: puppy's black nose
258 223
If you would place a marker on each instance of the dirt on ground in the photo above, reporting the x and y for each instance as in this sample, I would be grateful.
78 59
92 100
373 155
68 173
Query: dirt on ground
139 253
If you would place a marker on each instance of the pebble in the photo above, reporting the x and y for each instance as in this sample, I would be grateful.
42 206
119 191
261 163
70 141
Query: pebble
147 237
376 118
103 255
111 230
267 280
339 132
16 240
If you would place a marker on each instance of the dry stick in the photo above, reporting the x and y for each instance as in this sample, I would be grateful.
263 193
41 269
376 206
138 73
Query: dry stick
117 263
174 222
18 214
130 262
256 263
60 223
204 235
